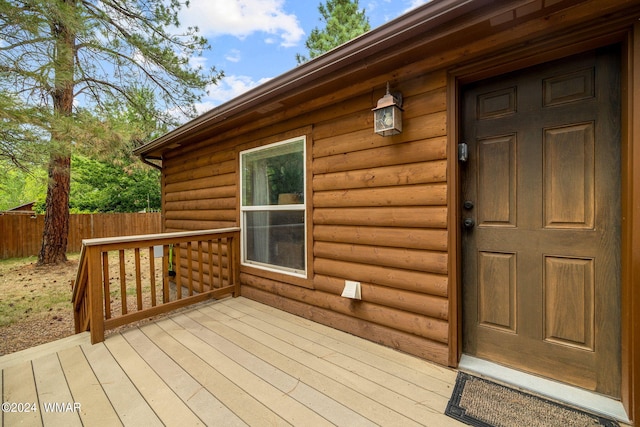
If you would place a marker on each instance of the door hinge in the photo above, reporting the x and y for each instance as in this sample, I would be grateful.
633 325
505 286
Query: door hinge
463 152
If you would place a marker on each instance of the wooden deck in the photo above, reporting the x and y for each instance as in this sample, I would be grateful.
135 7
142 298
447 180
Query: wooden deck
225 363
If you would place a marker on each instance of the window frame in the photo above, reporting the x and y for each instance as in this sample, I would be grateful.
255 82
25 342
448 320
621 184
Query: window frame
302 207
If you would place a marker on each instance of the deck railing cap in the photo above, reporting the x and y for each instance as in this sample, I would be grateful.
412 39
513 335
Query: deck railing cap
160 236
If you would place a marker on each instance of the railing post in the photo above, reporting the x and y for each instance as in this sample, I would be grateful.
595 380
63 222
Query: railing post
77 321
234 261
94 285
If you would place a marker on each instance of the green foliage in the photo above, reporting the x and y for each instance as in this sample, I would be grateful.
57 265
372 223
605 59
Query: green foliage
118 49
96 186
106 187
85 76
21 143
343 21
117 130
18 186
127 58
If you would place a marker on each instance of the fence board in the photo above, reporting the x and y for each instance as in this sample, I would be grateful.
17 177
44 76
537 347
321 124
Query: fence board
21 233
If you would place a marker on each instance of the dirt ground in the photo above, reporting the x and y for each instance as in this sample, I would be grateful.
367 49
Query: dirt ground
39 298
35 302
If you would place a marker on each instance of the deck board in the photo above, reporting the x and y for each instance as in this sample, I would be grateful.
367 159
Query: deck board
233 362
199 400
432 389
19 387
84 386
48 375
243 405
163 400
385 389
271 365
320 374
358 348
247 375
129 404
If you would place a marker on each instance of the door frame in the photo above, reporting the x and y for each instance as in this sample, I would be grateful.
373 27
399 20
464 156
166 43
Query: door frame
556 48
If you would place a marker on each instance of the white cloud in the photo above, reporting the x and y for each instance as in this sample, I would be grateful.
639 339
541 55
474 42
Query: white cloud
382 11
198 61
240 18
233 55
228 88
203 107
371 7
414 4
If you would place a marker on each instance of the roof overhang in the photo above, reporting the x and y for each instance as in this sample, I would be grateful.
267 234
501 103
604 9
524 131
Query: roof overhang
437 26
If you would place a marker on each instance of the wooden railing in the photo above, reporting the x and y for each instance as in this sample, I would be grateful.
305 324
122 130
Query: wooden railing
121 280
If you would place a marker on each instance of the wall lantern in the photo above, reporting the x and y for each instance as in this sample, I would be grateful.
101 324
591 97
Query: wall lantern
387 116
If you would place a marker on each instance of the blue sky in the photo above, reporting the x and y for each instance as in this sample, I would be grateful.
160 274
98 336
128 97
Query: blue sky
253 41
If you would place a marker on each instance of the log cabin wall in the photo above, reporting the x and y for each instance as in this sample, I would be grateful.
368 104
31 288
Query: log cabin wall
379 217
200 189
376 214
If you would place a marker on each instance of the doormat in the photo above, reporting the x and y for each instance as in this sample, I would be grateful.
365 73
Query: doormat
483 403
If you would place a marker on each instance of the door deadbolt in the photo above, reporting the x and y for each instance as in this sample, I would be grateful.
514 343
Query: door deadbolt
468 204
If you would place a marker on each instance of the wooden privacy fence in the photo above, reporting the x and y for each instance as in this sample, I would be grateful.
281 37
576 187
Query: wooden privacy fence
122 280
21 233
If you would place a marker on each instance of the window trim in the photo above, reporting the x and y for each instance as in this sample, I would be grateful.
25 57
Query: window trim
303 207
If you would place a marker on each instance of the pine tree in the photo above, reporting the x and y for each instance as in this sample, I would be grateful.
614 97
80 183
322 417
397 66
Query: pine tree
343 21
72 59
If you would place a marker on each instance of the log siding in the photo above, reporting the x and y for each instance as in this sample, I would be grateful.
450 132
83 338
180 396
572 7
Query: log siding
380 217
377 214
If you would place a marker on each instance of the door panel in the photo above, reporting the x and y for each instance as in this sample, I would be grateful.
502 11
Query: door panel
496 176
569 176
541 266
569 301
497 290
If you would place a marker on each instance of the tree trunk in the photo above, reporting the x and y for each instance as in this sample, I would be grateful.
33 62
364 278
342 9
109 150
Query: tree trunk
56 219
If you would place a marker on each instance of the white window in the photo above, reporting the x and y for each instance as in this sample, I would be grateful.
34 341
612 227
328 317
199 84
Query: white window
273 207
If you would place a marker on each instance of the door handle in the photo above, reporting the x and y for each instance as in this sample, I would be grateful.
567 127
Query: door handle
468 223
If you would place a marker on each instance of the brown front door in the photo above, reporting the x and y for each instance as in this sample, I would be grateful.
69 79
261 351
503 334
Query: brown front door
541 220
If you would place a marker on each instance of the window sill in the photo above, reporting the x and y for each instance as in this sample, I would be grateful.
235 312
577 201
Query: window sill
282 277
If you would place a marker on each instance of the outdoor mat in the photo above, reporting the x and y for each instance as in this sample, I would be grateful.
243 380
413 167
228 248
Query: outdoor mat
478 402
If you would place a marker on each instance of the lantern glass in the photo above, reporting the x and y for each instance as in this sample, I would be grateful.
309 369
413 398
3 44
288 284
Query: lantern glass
387 116
388 120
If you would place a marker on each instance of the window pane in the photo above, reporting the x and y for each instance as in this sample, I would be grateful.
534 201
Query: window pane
274 175
276 238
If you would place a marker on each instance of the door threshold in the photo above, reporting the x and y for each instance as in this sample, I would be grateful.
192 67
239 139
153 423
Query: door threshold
553 390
